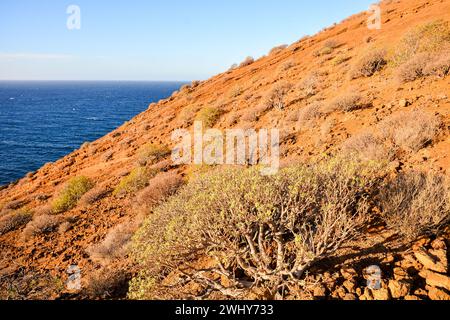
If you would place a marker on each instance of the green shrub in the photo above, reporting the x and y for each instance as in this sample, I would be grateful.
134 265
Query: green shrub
135 181
71 193
152 153
208 116
256 229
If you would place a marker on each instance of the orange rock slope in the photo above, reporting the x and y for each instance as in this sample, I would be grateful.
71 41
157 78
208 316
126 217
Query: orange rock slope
314 70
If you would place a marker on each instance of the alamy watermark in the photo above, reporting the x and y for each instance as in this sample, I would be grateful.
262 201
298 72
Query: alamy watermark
374 20
74 18
230 147
73 282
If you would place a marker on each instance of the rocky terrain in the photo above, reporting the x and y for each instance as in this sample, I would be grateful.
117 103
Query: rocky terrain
382 95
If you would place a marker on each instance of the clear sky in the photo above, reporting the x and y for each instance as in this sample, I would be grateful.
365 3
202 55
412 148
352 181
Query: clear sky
152 39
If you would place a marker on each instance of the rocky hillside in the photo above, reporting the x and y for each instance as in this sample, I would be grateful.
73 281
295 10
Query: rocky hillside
378 95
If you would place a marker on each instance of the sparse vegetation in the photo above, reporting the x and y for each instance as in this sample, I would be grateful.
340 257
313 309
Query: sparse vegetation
371 62
411 130
277 49
13 221
309 113
95 194
414 68
248 61
276 97
327 48
310 84
135 181
40 225
152 153
74 189
431 37
108 282
416 203
187 115
115 245
348 102
366 146
255 229
159 189
209 116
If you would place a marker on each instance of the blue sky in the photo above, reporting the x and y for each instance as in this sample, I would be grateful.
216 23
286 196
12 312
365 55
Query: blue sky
152 39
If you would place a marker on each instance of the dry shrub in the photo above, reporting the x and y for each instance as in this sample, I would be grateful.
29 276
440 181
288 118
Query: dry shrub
209 116
13 221
439 66
248 61
366 146
310 113
430 37
74 189
277 49
187 115
416 203
94 195
159 189
276 97
43 224
410 130
414 68
348 102
371 62
327 48
115 245
236 92
253 114
108 283
310 84
152 153
287 65
256 229
14 205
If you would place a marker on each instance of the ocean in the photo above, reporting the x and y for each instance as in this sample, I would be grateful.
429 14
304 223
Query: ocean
41 122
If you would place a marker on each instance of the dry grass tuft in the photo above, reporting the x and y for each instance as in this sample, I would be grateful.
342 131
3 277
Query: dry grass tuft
108 283
94 195
152 153
248 61
115 245
309 86
416 203
135 181
366 146
159 189
309 113
371 62
13 221
414 68
348 102
410 130
43 224
276 97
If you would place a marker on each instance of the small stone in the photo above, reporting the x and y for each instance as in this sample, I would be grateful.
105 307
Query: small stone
350 297
400 274
435 262
381 294
399 289
367 294
320 292
350 286
439 244
434 279
341 292
349 273
412 298
388 259
359 292
421 293
403 103
438 294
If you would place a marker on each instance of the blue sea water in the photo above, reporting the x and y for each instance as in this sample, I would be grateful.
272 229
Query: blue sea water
43 121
